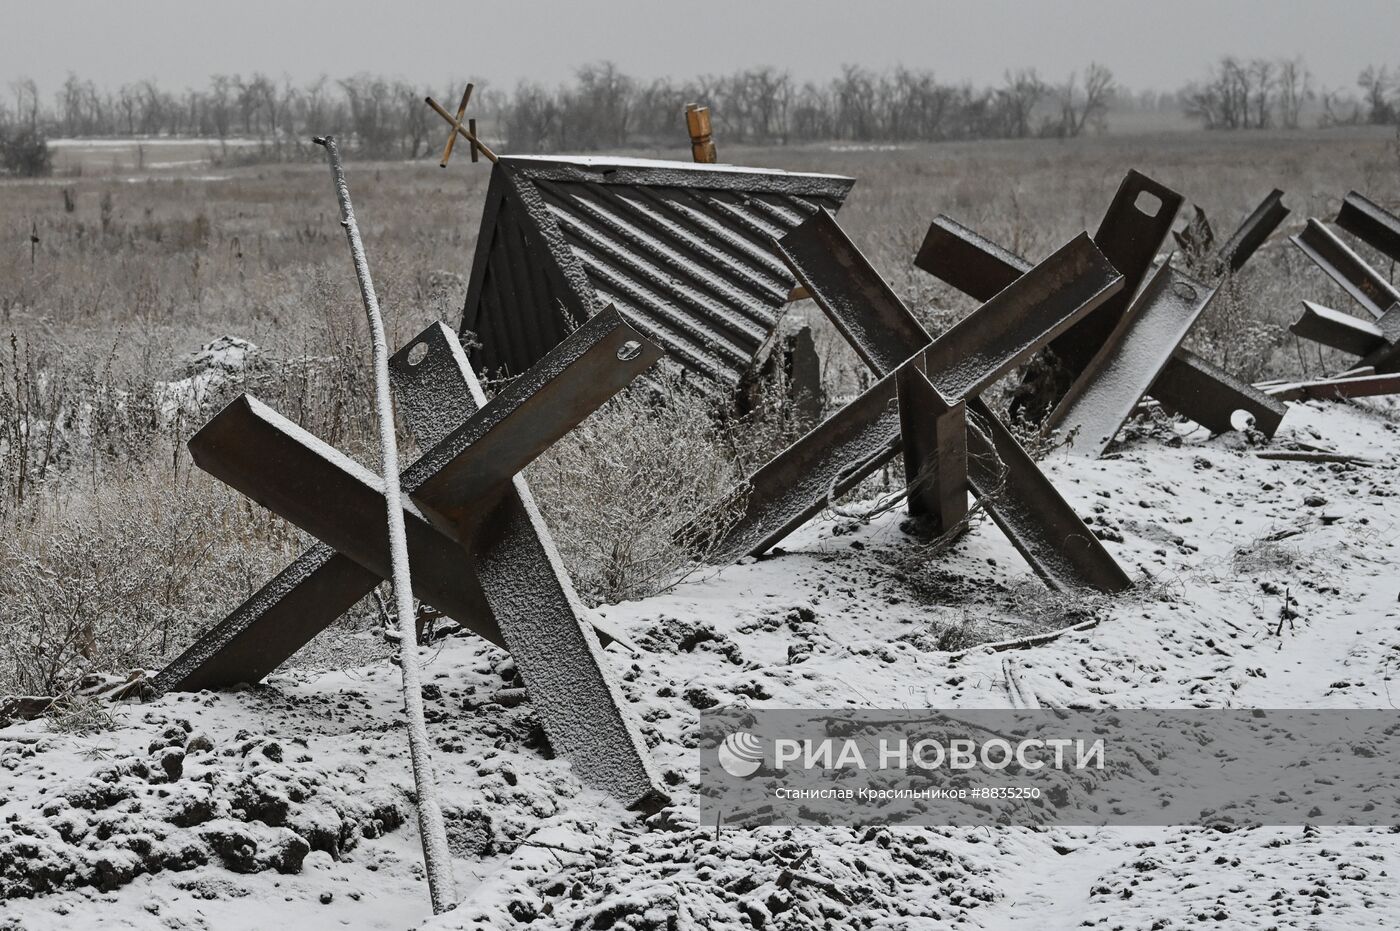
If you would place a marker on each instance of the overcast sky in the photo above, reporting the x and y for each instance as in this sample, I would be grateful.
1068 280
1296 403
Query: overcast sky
1147 43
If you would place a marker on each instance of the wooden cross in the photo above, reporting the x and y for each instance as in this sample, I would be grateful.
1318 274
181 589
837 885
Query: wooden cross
480 551
467 131
927 404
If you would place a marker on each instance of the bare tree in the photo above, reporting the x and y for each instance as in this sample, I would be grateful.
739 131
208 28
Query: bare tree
1376 84
1088 109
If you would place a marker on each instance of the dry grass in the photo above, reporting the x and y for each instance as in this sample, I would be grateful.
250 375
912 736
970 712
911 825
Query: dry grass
115 550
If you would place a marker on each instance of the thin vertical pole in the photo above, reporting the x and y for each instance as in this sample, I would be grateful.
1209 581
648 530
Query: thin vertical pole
437 858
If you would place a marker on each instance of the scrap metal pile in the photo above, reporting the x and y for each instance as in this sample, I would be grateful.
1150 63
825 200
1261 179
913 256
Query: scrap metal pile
588 271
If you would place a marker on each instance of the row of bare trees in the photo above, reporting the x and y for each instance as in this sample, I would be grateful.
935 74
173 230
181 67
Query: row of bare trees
601 108
605 108
1266 93
385 117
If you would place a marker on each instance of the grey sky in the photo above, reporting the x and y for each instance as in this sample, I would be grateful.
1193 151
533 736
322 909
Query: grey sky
1147 43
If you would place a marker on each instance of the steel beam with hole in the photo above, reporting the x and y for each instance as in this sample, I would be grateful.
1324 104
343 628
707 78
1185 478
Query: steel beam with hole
1131 234
1346 268
1371 223
1116 379
1188 385
965 361
487 562
1202 391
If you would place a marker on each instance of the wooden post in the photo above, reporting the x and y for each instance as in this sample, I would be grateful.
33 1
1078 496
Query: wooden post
702 143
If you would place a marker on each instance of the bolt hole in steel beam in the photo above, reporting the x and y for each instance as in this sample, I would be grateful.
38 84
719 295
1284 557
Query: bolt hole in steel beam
498 574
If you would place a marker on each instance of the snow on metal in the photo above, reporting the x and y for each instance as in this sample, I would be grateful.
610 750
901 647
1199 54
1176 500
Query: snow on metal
683 250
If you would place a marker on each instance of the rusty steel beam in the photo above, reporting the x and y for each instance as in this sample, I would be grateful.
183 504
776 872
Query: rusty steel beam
1115 380
321 584
813 472
1188 385
523 577
934 436
1363 386
969 262
962 363
1131 234
1371 223
1338 330
1346 268
501 552
1019 319
1251 234
1213 396
1028 508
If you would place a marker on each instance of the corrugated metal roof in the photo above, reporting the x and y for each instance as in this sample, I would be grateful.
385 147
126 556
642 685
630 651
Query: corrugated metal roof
683 250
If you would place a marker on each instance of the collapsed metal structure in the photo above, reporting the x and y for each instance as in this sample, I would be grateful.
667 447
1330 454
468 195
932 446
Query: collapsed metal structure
588 271
683 250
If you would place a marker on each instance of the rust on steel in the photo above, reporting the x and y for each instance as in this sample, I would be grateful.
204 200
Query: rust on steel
1124 369
1366 286
1188 384
1046 300
866 433
1371 223
501 568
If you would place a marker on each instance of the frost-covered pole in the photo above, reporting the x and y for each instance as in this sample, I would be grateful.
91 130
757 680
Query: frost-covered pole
437 858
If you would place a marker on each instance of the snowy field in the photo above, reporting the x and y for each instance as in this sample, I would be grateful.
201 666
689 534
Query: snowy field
1263 584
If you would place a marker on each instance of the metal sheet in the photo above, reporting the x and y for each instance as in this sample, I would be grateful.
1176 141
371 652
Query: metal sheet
1346 268
1105 393
1192 387
684 251
1371 223
1252 233
1212 395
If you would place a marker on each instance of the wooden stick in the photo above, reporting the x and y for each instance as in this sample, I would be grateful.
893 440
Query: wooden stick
452 139
437 855
466 134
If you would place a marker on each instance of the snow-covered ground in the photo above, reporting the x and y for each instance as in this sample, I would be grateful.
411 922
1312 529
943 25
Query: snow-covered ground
1265 584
